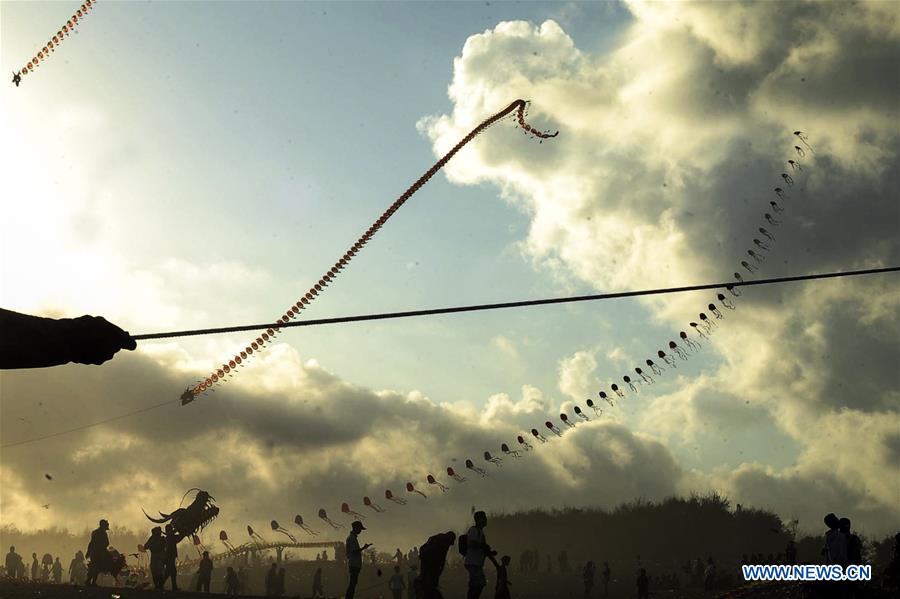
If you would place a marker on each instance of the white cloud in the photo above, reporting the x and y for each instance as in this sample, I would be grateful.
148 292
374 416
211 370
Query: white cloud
668 152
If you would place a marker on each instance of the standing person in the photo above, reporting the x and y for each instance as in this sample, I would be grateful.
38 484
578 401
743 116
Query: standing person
156 545
643 585
12 562
280 589
398 556
412 578
242 580
272 580
354 556
477 551
57 571
854 545
318 591
35 568
607 574
204 573
790 553
231 582
587 574
171 569
503 583
77 569
433 559
98 554
396 584
835 550
709 574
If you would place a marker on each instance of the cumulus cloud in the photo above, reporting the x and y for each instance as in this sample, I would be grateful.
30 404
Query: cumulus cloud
670 146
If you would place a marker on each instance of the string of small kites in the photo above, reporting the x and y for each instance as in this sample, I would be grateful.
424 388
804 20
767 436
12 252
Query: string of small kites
702 328
54 42
229 368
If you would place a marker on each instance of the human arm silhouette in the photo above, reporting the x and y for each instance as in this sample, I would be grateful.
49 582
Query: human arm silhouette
28 341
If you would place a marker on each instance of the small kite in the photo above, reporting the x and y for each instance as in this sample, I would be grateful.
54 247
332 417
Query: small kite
345 509
435 482
277 528
494 460
452 474
471 466
391 497
223 536
410 488
324 516
372 505
298 520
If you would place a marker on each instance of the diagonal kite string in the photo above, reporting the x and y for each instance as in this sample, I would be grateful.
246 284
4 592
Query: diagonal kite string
54 42
518 106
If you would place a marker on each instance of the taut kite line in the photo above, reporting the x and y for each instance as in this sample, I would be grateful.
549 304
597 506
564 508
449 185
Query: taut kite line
518 106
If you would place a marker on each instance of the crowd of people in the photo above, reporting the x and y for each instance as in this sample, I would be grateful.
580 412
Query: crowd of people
417 574
47 570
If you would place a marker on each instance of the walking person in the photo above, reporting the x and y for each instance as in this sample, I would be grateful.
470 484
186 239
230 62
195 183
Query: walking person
354 557
477 551
318 591
56 570
98 554
433 559
77 569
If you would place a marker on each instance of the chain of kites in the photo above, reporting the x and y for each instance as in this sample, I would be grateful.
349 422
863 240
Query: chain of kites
667 359
54 42
228 369
703 328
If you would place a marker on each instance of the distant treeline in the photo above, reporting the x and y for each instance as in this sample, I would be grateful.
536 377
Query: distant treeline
661 535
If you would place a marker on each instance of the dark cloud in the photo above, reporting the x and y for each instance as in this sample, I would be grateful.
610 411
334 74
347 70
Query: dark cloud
274 454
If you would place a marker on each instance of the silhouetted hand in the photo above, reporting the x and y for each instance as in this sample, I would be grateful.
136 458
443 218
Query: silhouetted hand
35 342
96 340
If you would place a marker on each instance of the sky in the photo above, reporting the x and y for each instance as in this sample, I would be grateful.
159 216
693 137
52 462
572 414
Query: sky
179 165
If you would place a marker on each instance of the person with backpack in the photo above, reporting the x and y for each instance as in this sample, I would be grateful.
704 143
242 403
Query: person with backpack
476 550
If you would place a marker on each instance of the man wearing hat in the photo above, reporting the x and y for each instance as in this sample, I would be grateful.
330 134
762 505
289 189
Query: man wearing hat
354 556
156 545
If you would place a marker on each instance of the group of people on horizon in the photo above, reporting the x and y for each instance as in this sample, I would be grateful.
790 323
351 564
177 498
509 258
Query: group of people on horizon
473 546
842 547
47 570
